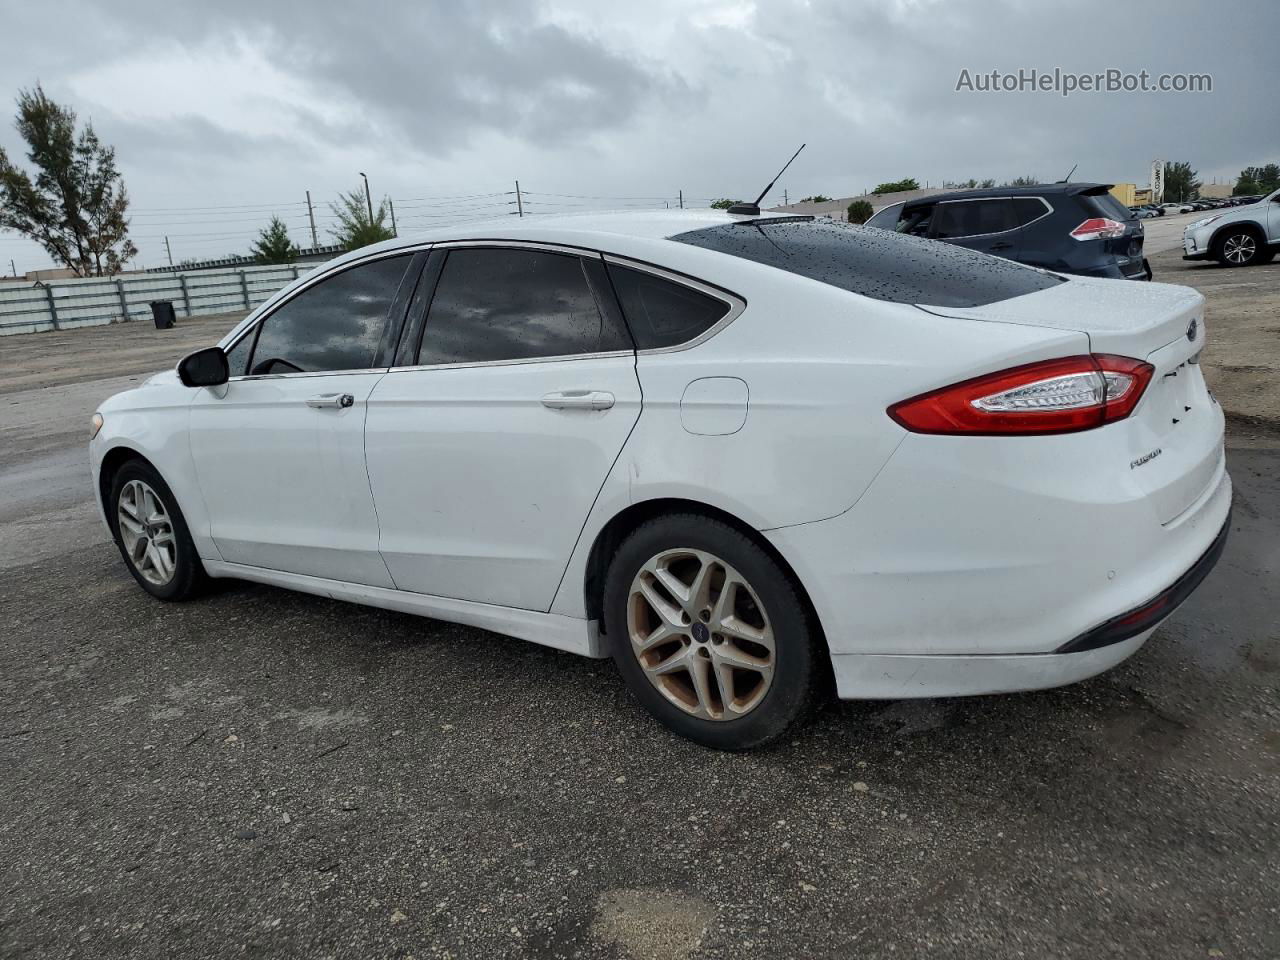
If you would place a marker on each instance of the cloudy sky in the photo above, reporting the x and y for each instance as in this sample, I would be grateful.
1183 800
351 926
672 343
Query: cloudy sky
223 113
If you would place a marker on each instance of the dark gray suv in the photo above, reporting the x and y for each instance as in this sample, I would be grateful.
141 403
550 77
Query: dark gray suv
1077 228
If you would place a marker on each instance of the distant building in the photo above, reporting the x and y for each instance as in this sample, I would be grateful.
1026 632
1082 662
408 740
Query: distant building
1130 194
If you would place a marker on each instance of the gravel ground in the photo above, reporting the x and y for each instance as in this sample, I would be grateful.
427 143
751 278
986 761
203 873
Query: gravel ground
260 773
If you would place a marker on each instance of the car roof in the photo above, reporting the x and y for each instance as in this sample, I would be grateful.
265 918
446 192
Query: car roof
1036 190
618 231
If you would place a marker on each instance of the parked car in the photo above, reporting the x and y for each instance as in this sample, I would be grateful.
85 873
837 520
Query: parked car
1177 207
1240 237
1077 228
1158 211
955 474
1142 213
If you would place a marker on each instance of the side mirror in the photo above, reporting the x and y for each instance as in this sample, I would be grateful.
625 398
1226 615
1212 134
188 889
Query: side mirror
204 368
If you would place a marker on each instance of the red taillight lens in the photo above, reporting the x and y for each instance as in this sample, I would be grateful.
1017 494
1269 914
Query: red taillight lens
1049 396
1098 228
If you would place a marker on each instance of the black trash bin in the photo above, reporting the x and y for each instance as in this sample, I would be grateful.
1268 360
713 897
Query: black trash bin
162 313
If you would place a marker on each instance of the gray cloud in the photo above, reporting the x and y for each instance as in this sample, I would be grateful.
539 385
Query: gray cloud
586 98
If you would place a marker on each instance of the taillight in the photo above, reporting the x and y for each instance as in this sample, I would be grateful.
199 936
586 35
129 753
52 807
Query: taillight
1049 396
1098 228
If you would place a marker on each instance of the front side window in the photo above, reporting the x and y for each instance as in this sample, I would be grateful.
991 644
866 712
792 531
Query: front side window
337 324
514 304
887 219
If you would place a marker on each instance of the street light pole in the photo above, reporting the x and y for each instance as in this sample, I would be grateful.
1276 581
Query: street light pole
367 198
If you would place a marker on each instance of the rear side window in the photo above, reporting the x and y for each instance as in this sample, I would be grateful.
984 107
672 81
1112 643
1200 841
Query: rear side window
336 324
661 313
970 218
512 304
1026 209
875 263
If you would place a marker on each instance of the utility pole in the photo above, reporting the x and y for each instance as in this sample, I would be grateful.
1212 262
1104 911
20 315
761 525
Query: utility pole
311 212
368 199
785 201
392 204
13 268
519 201
681 199
168 251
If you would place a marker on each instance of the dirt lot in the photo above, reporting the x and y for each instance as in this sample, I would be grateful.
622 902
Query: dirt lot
265 774
1242 359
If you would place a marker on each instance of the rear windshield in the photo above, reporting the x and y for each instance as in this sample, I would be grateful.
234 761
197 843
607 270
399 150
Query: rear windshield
1106 205
875 263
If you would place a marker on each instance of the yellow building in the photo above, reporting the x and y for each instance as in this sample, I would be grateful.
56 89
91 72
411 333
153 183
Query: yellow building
1130 194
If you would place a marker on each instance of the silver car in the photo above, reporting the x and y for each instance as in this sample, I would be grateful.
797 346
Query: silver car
1237 236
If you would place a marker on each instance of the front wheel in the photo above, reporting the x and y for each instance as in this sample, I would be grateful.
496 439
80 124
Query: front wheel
1238 248
152 533
710 634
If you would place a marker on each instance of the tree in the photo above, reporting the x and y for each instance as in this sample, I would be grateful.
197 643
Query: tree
897 186
860 211
1180 182
1030 181
816 198
355 229
1255 180
723 204
75 205
273 244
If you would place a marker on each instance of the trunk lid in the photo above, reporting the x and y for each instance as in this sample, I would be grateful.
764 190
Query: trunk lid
1173 439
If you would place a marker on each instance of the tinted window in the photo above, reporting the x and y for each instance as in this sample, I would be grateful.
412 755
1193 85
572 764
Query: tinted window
494 304
1026 209
968 218
875 263
238 356
887 219
1106 205
335 325
661 313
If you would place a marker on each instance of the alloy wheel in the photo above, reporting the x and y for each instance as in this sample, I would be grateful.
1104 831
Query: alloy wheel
701 634
1239 248
147 533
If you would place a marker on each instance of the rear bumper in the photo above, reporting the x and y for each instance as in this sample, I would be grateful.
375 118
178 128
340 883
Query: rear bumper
905 677
1129 270
1144 618
975 567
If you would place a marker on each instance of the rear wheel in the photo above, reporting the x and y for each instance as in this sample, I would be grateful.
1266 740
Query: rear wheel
1239 248
152 534
710 634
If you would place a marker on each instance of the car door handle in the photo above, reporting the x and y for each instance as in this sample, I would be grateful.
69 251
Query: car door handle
578 400
1002 245
331 401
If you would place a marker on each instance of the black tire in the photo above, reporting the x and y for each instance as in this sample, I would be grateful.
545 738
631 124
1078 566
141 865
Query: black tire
189 577
1239 247
800 660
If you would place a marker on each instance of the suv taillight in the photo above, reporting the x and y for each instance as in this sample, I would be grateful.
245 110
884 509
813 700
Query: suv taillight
1049 396
1098 228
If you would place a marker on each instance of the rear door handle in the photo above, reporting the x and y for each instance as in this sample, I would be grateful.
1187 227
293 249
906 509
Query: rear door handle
578 400
331 401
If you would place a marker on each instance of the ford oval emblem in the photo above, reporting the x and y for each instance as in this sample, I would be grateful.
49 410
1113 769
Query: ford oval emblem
1192 327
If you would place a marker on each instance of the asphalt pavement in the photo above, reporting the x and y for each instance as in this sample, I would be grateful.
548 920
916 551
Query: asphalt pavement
262 773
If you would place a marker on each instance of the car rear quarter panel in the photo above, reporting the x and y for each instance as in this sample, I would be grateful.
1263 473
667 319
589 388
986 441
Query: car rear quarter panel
821 366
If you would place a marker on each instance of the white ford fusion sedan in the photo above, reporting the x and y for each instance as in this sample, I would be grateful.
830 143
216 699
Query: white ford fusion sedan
745 456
